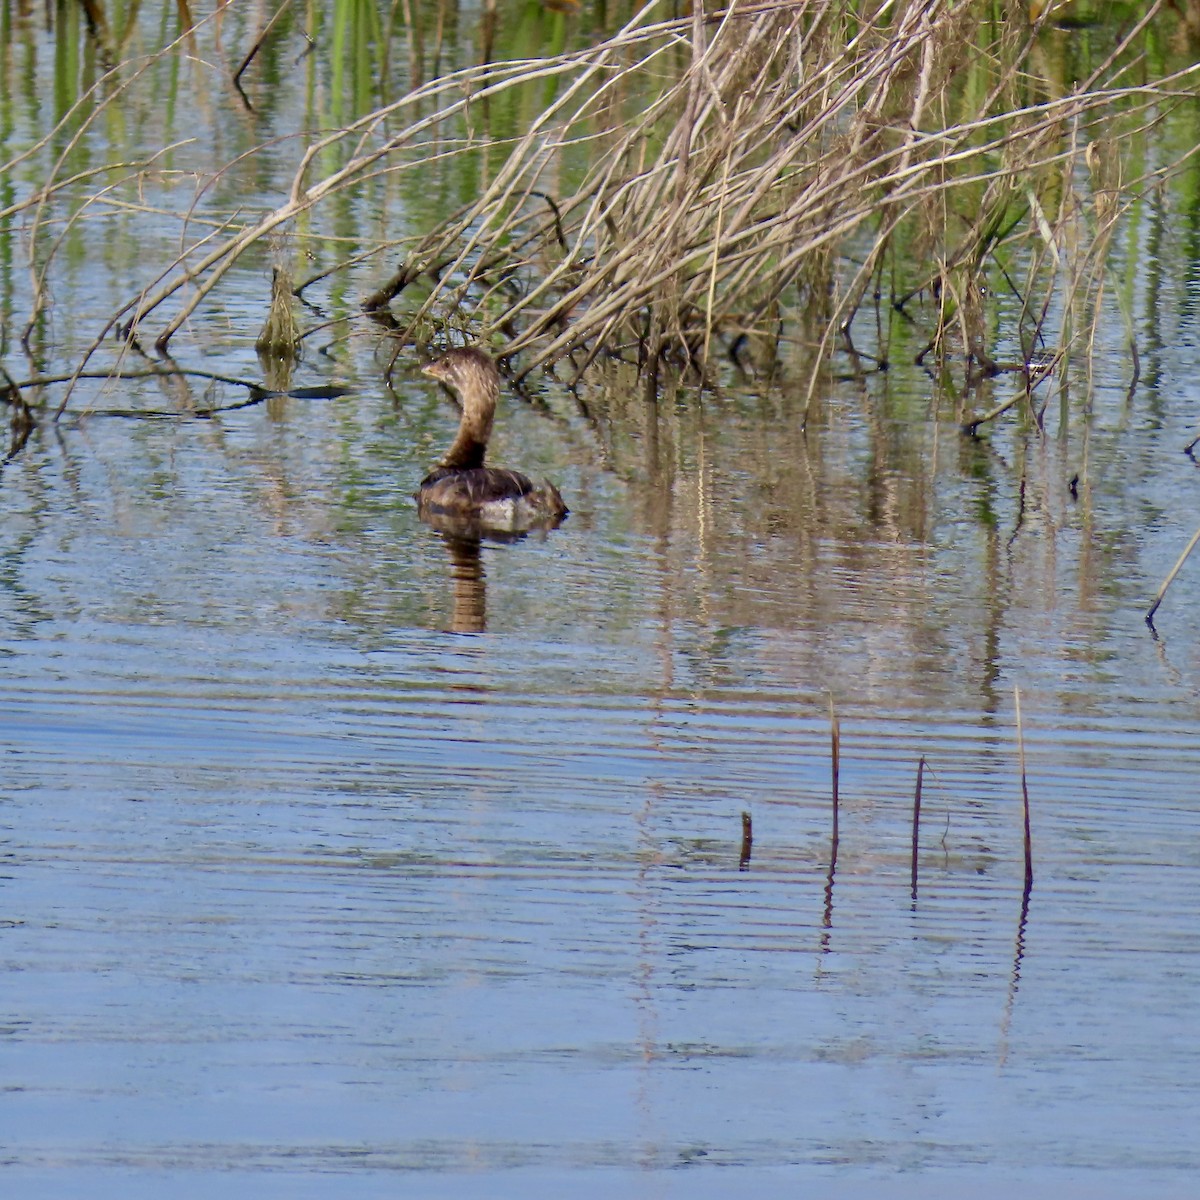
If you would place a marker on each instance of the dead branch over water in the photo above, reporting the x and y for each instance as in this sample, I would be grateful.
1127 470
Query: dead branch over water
792 154
703 178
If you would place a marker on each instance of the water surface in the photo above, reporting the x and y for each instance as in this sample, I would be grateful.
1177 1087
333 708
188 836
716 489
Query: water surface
308 892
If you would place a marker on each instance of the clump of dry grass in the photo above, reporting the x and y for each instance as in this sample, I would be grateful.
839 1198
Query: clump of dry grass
742 163
800 149
280 334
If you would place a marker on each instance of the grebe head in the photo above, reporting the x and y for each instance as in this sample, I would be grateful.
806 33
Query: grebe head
470 372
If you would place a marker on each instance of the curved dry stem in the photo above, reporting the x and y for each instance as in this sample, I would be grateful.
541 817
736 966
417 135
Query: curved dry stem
776 149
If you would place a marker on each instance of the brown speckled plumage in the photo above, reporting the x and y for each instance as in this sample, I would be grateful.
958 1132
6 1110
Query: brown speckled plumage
461 487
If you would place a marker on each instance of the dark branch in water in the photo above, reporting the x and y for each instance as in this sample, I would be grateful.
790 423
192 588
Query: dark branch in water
12 393
22 423
254 49
916 823
747 842
1028 840
835 753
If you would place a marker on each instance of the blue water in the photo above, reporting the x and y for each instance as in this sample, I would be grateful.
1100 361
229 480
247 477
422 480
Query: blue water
335 862
306 894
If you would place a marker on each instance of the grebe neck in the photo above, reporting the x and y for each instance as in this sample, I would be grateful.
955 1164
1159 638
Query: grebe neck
467 452
478 390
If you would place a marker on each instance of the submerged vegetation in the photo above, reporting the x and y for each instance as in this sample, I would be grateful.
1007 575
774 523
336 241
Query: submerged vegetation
725 178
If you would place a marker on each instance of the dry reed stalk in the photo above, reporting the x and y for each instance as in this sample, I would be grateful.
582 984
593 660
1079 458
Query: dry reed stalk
835 745
1028 842
610 290
257 44
785 159
916 822
210 269
835 752
1166 583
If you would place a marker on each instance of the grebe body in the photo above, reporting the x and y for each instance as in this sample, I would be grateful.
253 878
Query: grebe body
460 490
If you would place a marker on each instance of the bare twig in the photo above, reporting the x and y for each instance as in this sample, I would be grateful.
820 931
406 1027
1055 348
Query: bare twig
1028 842
916 822
1166 583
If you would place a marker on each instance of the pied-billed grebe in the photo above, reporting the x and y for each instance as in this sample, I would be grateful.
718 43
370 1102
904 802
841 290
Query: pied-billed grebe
461 488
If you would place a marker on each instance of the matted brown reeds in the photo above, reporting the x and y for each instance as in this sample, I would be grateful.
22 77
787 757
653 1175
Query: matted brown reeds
695 180
793 150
